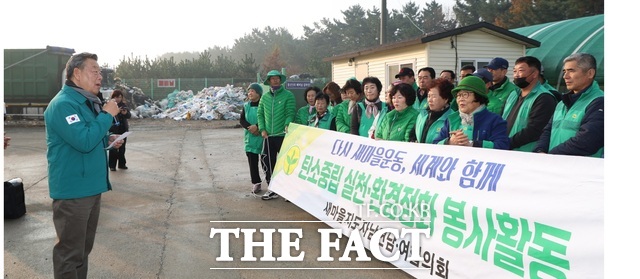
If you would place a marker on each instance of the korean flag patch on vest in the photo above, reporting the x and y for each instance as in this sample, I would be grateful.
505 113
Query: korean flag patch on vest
72 119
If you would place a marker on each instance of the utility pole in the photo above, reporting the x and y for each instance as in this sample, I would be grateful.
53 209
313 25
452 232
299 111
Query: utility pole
383 23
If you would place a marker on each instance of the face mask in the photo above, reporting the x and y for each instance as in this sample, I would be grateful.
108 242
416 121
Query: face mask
522 81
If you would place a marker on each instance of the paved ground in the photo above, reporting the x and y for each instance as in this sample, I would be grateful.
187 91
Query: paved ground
156 221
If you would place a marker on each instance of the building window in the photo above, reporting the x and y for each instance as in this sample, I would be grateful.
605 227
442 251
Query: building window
394 69
479 63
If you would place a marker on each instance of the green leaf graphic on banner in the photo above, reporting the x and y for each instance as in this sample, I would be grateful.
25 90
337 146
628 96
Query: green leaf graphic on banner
292 158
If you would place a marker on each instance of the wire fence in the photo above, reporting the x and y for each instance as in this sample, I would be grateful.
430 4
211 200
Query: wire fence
158 89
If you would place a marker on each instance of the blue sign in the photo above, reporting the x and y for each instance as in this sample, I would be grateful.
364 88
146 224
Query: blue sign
297 84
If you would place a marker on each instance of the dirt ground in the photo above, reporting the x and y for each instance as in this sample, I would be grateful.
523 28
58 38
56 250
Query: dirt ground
184 178
16 121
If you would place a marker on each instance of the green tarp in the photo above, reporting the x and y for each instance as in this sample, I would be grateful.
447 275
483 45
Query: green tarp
562 38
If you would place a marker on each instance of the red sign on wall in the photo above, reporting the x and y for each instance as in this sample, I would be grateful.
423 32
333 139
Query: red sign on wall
166 83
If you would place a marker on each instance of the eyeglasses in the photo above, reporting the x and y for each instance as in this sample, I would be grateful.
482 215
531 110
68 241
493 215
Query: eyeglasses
463 94
95 72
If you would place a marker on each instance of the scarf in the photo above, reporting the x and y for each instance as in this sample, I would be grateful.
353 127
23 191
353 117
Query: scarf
352 104
92 98
311 108
372 108
316 118
467 119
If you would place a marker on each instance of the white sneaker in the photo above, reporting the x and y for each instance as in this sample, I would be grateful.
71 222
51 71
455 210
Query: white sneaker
269 195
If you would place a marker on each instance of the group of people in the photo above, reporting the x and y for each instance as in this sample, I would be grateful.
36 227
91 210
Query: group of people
484 109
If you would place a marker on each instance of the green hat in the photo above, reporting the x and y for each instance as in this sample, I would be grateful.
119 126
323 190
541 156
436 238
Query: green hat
274 73
471 83
256 87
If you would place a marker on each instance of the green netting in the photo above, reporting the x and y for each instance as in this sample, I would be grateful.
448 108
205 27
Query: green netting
560 39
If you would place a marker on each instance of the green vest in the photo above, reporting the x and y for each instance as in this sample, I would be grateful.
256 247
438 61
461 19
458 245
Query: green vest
496 105
548 86
252 143
367 122
434 129
523 114
419 106
566 123
323 123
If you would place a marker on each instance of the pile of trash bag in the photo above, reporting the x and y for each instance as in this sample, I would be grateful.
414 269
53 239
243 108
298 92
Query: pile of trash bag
213 103
134 95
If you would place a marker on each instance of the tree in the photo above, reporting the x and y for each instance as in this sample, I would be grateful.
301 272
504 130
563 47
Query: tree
224 67
320 43
406 23
532 12
273 61
164 68
435 20
247 67
275 48
473 11
521 13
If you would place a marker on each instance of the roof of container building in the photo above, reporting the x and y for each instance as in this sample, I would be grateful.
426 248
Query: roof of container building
562 38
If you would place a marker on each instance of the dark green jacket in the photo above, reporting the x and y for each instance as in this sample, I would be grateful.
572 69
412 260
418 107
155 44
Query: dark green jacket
76 139
498 96
397 126
343 118
303 115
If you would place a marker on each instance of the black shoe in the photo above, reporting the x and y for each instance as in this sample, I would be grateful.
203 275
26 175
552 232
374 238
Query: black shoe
123 167
113 169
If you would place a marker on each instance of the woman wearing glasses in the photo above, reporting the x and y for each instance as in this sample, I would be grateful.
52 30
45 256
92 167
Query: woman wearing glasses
473 125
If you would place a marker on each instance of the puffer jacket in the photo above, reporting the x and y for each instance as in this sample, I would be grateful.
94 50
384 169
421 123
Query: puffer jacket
275 111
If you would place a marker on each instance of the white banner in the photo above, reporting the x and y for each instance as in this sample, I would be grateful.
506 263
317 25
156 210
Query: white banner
486 213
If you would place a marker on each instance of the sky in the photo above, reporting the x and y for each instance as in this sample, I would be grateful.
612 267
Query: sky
120 29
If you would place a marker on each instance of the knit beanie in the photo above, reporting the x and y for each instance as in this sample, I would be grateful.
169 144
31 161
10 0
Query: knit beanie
256 87
471 83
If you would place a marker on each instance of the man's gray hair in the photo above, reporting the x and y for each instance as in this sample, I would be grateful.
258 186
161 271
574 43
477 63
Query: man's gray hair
585 61
77 61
